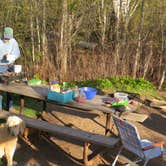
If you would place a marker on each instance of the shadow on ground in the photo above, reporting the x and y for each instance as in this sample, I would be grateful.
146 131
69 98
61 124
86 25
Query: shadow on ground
157 123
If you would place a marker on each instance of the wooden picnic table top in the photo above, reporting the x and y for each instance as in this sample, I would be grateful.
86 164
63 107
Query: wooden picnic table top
36 92
40 93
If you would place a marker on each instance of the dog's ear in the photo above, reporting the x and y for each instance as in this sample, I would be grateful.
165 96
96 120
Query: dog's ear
22 127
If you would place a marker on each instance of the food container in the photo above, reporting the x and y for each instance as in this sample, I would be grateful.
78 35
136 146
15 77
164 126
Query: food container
89 92
60 97
17 68
121 96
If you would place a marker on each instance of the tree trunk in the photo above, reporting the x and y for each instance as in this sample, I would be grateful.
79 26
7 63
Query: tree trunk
117 8
37 28
70 40
44 46
32 34
138 51
162 59
147 60
63 53
103 22
162 78
45 59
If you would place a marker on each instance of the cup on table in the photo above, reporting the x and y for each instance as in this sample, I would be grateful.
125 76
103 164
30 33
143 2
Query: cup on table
17 68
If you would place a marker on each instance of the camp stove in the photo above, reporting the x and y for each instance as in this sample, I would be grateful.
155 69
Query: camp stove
7 76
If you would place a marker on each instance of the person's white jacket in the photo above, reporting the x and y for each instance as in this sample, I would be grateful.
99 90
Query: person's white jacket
11 49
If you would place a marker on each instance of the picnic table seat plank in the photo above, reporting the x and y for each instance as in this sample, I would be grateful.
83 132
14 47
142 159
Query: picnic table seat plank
67 131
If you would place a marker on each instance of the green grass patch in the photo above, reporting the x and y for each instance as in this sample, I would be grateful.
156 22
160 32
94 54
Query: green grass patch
164 87
32 108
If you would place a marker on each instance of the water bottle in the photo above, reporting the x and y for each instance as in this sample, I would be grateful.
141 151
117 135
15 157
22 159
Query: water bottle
82 93
0 103
76 92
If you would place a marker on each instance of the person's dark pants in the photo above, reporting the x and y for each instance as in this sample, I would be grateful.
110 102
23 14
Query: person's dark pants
9 100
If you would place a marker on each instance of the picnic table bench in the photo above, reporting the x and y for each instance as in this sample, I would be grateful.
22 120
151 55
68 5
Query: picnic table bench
83 136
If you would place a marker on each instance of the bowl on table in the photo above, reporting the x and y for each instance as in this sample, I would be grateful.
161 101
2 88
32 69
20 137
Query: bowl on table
89 92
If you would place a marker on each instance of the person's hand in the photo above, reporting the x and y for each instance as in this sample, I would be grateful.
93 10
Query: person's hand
7 65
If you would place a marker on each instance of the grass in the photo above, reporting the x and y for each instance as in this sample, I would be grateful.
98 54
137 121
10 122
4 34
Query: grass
32 107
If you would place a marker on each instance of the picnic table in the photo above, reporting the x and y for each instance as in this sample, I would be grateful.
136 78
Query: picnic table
40 93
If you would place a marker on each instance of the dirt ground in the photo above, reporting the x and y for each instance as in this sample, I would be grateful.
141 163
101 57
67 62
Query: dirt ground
68 152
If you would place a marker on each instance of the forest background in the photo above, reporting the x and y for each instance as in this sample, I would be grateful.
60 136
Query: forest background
75 40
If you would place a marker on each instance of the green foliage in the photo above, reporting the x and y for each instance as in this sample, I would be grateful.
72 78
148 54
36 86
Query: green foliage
71 85
104 83
130 84
164 88
138 85
36 76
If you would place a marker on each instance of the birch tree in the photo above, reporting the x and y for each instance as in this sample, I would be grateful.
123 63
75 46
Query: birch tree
162 65
124 10
32 32
103 20
162 77
138 51
63 52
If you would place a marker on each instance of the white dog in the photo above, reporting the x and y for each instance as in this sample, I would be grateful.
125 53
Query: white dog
8 137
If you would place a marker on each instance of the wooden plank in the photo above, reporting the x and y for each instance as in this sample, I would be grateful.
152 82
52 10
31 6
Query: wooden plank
68 132
135 117
156 101
158 106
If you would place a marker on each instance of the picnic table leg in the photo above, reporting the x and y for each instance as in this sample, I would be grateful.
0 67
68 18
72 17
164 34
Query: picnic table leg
107 127
85 153
44 105
22 104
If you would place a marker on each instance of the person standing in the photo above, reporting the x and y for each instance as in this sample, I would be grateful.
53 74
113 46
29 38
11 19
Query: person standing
9 52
